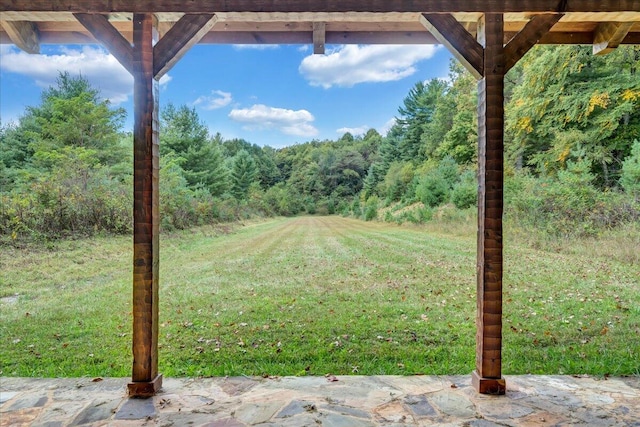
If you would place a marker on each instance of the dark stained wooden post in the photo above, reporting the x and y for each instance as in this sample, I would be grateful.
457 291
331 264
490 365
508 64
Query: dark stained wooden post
487 377
145 378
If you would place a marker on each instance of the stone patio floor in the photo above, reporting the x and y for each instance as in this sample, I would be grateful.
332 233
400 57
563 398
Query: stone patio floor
356 401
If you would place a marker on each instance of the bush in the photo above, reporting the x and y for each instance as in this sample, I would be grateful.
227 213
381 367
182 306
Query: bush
465 193
432 189
630 178
371 208
567 206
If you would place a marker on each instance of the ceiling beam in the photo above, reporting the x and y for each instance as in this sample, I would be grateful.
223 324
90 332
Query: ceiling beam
528 37
23 34
319 37
332 37
380 6
185 34
609 35
100 27
448 31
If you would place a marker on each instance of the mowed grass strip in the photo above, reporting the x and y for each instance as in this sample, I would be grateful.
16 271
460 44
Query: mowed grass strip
311 296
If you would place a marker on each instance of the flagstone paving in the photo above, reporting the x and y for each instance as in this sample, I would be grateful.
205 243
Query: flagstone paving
350 401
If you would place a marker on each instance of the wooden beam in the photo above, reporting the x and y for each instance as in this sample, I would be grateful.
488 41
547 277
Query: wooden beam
319 35
609 35
378 6
306 37
528 37
487 377
23 34
100 27
185 34
146 219
460 43
332 37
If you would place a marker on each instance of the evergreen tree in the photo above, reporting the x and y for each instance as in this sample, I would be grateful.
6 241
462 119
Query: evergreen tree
183 134
243 174
572 105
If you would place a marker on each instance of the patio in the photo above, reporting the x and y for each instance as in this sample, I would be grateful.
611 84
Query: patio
327 401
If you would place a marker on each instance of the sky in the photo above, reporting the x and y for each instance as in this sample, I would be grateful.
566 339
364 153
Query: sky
268 95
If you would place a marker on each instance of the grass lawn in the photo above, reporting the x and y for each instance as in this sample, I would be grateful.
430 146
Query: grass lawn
316 295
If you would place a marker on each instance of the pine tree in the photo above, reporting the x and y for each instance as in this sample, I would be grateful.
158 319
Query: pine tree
243 174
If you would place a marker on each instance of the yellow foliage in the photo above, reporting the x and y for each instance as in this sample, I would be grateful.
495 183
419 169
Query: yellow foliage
631 95
525 124
598 100
565 153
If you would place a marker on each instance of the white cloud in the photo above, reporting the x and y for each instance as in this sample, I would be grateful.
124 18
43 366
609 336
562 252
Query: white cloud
218 99
102 70
290 122
387 126
360 130
349 65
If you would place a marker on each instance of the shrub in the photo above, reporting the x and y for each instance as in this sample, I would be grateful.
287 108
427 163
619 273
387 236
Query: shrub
630 178
432 189
371 208
465 193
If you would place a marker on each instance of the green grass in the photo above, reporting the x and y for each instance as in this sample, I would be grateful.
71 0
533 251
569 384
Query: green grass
317 295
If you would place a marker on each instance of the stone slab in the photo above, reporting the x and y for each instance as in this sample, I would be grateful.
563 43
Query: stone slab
136 409
97 411
452 404
5 396
256 413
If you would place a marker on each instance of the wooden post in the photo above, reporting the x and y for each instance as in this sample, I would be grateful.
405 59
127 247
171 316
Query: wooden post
487 378
145 378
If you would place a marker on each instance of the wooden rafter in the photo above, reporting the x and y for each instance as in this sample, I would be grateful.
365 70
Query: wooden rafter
319 37
454 36
609 35
100 27
528 37
379 6
186 33
23 34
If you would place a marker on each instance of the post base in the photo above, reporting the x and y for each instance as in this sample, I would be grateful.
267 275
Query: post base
144 389
495 386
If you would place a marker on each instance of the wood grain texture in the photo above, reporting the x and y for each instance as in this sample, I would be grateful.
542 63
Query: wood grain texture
100 27
609 35
145 203
304 36
182 36
490 200
457 39
426 6
319 37
23 34
528 37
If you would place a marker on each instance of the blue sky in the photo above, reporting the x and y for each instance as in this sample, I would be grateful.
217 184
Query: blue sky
268 95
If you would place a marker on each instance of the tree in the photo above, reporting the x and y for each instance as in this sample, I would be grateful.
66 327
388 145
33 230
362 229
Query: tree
573 106
184 135
416 114
243 174
71 114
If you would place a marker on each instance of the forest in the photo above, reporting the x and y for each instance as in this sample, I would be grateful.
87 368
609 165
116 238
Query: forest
572 158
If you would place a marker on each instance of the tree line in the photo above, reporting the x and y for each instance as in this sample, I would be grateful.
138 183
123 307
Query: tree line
572 157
